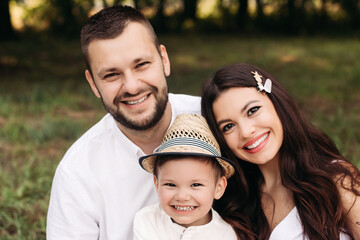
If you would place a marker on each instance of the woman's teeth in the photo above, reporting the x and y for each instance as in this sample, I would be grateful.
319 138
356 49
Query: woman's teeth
137 102
184 208
257 143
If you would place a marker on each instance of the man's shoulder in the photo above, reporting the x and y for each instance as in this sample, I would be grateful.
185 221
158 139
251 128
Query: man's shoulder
183 97
97 134
149 210
183 103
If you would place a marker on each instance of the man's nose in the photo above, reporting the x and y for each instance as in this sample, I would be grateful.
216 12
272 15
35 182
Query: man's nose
131 83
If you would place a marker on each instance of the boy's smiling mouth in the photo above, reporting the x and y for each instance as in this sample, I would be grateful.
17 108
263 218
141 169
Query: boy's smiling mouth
184 208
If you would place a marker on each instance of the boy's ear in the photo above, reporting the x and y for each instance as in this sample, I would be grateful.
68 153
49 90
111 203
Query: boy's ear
220 187
156 183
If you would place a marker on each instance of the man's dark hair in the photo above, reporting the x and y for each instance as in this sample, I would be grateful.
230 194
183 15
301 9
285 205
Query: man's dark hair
109 23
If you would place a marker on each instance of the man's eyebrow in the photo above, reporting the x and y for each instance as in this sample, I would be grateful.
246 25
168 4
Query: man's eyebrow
106 70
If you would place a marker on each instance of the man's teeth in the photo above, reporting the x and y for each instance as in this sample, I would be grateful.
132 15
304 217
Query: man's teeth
184 208
136 102
257 143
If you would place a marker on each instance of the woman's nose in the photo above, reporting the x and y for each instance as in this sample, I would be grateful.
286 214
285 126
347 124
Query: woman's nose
246 129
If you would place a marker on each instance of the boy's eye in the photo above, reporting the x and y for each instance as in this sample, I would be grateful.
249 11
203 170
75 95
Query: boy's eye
169 184
227 127
252 111
196 185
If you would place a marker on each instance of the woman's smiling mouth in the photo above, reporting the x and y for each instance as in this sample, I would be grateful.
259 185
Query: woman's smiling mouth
257 143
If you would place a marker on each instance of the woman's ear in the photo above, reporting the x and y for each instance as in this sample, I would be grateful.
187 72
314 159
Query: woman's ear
220 187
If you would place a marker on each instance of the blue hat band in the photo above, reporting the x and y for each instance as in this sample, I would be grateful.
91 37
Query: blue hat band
193 142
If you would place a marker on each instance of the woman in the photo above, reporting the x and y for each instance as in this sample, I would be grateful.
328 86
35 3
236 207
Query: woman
297 183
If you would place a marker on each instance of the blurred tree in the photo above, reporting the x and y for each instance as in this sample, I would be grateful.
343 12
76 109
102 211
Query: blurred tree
353 12
65 22
159 19
67 16
188 13
259 11
6 29
242 14
113 3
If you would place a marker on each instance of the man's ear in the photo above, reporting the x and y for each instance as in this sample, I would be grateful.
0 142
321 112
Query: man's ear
156 183
92 83
165 60
220 187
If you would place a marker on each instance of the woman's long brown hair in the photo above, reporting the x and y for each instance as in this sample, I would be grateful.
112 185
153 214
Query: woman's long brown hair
308 165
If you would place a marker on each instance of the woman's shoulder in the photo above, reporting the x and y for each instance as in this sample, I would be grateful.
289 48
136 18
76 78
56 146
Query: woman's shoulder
348 185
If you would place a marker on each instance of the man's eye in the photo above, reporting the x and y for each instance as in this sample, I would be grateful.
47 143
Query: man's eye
227 127
253 110
110 75
142 64
196 185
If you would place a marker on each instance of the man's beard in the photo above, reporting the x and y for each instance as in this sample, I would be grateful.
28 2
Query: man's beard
160 106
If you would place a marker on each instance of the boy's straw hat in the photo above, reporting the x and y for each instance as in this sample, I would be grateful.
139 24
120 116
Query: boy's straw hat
189 135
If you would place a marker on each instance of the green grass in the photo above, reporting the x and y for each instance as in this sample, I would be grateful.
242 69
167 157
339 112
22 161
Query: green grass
46 103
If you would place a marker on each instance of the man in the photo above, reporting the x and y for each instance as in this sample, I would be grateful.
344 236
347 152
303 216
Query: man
99 186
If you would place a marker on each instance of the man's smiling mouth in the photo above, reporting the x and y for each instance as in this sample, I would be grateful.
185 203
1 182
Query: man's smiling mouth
138 101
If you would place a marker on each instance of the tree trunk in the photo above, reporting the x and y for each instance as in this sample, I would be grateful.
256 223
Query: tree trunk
66 23
189 12
159 20
242 13
353 11
291 25
259 10
6 29
190 9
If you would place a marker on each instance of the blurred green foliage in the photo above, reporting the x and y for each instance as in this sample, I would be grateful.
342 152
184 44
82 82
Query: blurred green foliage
65 17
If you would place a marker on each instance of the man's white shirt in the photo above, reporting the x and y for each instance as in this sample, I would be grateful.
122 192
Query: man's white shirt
99 185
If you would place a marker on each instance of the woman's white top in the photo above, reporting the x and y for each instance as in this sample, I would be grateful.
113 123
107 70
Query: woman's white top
290 228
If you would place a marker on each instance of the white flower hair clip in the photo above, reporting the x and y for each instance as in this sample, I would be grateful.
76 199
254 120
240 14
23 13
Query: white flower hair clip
260 86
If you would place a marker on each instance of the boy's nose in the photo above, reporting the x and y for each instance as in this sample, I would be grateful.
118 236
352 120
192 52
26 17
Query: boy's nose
182 195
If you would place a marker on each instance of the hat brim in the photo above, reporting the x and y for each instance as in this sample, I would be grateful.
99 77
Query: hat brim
147 162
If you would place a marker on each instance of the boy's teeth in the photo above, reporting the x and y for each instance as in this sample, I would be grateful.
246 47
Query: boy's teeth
136 102
184 208
257 143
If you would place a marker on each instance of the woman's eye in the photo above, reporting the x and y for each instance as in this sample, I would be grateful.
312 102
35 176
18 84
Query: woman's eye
253 110
227 127
196 185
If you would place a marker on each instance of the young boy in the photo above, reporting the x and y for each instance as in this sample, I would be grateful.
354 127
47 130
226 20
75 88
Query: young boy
189 173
